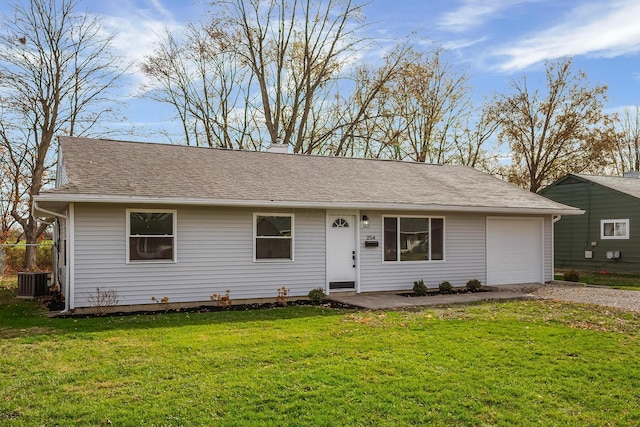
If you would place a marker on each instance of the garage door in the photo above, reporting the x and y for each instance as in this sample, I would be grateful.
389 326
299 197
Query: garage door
514 251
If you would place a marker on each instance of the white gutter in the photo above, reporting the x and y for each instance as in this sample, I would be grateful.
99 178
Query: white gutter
91 198
557 218
48 212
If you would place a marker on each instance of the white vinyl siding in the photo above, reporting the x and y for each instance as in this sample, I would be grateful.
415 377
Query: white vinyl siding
464 256
215 253
547 224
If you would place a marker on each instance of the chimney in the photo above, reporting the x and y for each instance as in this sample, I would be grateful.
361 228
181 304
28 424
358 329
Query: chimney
277 147
632 174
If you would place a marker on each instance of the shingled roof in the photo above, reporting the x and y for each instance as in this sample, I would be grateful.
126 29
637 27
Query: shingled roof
629 186
119 171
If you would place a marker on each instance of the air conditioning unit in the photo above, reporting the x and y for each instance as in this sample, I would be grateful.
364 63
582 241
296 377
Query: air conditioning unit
33 285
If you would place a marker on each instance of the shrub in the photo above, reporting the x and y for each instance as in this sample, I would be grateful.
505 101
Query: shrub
222 300
474 285
572 276
103 301
445 286
316 295
283 296
14 257
419 288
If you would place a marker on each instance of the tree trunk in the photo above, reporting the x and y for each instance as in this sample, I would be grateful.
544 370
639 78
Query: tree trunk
31 238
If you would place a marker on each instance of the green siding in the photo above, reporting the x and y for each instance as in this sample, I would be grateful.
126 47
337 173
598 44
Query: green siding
573 235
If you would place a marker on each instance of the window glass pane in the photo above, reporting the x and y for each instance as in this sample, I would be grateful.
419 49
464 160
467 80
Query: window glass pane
151 223
437 238
608 228
391 239
149 248
273 226
273 248
414 239
621 229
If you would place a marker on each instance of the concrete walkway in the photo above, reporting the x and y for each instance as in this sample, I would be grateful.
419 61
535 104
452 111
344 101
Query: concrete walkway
388 300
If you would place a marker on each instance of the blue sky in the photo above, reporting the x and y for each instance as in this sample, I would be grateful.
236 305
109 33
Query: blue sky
492 40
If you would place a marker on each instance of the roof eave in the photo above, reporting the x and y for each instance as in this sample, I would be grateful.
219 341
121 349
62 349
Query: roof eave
43 199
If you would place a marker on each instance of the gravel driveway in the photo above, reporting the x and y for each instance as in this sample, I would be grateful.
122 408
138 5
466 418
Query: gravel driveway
628 300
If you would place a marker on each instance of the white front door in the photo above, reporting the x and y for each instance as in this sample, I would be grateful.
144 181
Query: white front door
341 252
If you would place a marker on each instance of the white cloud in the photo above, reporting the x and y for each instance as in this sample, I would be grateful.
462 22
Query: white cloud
461 43
607 30
137 30
473 13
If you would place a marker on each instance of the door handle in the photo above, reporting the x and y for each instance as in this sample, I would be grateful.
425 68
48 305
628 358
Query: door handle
353 257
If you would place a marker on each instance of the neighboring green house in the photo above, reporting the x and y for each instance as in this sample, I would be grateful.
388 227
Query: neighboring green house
607 236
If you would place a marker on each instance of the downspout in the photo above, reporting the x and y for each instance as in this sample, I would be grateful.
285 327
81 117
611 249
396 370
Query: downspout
70 300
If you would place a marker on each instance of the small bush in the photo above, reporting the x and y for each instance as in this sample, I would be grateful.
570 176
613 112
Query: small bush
103 301
14 257
572 276
283 296
419 288
316 295
474 285
222 300
445 287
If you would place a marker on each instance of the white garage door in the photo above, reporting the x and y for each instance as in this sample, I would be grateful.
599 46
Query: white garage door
514 251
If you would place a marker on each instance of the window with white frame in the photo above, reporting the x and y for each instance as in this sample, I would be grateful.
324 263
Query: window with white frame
151 235
413 238
614 229
273 236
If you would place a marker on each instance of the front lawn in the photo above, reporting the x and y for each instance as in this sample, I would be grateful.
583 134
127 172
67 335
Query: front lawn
630 282
514 363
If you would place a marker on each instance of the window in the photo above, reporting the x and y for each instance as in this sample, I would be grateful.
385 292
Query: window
151 235
340 223
273 236
614 229
413 239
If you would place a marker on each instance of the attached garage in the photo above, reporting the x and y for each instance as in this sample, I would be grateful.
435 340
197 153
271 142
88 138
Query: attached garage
515 248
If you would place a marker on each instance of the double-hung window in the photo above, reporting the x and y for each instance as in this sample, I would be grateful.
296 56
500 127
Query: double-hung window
413 238
273 236
151 235
614 229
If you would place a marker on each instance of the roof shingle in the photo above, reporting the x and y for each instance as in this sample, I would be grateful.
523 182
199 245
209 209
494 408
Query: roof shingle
630 186
174 172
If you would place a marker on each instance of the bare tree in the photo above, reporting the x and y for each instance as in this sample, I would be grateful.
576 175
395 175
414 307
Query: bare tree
560 130
260 71
415 112
55 72
628 144
473 140
293 48
210 90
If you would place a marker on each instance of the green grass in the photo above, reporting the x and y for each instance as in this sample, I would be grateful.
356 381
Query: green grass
630 282
502 364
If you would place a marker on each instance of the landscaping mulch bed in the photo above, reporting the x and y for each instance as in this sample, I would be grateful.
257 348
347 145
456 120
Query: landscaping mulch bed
208 308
